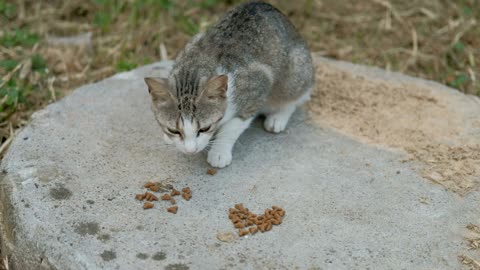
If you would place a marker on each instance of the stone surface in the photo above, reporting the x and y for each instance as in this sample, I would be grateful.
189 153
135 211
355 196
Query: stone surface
70 177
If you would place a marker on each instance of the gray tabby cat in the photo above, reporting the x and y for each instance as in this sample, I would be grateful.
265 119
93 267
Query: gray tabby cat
251 62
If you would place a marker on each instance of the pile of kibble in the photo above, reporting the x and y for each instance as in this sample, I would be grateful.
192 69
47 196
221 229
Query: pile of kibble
249 223
159 187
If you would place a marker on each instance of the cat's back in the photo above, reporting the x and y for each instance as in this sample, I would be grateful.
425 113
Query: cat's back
251 30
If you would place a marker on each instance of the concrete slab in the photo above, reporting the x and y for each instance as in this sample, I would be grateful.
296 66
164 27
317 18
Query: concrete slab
69 180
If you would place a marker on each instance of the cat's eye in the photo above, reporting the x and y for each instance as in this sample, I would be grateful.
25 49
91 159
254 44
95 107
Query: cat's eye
203 130
173 131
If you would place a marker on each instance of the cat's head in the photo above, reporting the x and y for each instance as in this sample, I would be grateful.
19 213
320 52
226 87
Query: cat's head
189 113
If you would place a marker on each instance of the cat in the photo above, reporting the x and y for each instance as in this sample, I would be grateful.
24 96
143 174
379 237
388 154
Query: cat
251 62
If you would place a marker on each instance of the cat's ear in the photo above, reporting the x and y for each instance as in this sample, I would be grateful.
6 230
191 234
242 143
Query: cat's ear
158 89
216 87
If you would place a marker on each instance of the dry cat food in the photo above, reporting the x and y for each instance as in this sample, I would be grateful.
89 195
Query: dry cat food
172 209
187 193
150 197
147 205
166 197
249 223
155 188
211 171
187 196
174 192
160 187
149 184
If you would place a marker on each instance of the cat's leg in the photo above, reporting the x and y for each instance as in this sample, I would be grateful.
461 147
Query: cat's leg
298 83
277 121
220 154
248 94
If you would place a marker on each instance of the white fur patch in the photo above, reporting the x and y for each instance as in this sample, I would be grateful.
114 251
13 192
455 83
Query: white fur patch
231 108
190 136
304 98
220 155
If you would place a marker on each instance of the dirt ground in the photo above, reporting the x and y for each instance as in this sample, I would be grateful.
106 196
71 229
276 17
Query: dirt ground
405 118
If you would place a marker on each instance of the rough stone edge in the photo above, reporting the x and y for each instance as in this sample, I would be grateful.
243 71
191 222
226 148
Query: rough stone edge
8 231
36 260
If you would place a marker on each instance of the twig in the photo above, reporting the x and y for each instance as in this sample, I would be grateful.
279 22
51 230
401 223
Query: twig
163 52
462 32
451 25
5 263
472 76
393 11
51 80
6 143
413 56
474 264
9 75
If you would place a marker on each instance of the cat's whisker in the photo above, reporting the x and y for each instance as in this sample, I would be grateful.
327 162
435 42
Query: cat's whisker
220 143
232 130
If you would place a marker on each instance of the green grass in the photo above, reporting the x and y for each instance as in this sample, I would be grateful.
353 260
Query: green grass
18 37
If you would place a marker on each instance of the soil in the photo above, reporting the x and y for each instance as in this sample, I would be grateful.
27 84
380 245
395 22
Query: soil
428 126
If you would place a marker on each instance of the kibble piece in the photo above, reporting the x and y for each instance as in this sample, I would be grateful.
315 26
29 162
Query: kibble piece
150 197
147 205
232 211
261 227
253 230
249 223
140 197
186 190
154 188
172 201
276 221
166 197
175 192
236 219
243 232
268 226
187 196
270 212
240 207
239 225
211 171
281 212
149 184
172 209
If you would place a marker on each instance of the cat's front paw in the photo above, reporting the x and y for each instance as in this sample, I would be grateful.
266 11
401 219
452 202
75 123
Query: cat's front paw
276 123
219 159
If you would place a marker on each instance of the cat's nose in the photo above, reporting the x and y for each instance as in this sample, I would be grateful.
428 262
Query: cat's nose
190 148
190 151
